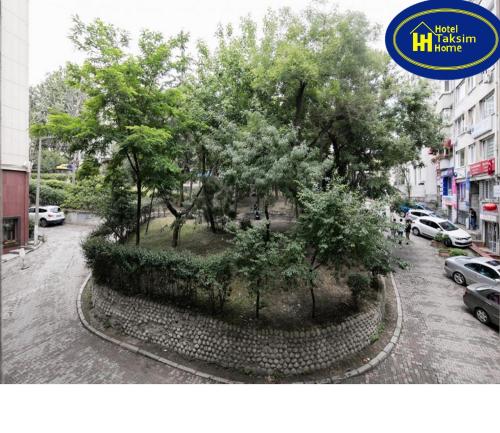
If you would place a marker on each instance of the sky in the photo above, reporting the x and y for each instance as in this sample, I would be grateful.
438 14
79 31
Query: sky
50 21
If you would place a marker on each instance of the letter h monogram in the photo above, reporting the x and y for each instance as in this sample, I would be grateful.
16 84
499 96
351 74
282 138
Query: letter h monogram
420 42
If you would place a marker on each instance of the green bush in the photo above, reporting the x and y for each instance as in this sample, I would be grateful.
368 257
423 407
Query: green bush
165 275
360 287
57 184
49 176
48 195
87 194
455 252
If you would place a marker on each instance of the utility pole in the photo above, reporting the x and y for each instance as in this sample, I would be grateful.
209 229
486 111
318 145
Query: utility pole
37 201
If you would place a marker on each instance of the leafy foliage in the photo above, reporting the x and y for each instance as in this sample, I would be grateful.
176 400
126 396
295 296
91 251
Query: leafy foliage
360 287
178 277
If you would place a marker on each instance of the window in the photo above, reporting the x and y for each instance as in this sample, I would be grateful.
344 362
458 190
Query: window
472 153
488 272
433 225
446 115
487 106
447 226
446 86
471 116
460 125
10 232
488 148
470 84
461 158
486 189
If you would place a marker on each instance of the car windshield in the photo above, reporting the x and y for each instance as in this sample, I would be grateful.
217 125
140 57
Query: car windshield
447 226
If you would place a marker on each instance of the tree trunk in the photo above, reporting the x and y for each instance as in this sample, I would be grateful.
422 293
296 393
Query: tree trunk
311 284
313 299
176 233
138 211
268 222
181 193
150 211
257 305
299 108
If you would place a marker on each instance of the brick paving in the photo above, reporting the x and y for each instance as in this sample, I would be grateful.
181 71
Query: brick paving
441 342
43 339
44 342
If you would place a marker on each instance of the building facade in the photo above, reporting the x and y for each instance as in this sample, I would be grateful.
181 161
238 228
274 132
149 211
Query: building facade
467 167
14 122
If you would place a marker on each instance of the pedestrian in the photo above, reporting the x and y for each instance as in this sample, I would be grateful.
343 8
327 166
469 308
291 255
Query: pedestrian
400 230
473 219
393 228
407 231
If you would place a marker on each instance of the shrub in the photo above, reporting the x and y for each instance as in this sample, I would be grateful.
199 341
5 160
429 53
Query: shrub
57 184
48 195
85 195
360 287
455 252
164 275
245 224
49 176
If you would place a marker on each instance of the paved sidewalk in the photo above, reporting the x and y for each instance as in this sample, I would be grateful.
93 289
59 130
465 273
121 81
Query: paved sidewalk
441 341
43 339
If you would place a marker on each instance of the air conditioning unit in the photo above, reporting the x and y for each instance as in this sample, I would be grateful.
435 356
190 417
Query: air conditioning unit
488 76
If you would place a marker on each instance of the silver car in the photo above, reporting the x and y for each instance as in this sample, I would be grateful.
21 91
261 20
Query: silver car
484 302
469 270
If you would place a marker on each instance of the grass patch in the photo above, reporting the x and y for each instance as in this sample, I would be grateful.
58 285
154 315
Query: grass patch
196 238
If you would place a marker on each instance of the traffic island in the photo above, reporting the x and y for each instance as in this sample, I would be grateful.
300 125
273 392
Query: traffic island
228 353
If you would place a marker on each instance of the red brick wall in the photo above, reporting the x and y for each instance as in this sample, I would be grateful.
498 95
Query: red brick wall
15 200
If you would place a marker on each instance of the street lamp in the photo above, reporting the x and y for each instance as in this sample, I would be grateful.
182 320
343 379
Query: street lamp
37 199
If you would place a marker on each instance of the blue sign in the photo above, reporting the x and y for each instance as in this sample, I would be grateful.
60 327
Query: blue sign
444 39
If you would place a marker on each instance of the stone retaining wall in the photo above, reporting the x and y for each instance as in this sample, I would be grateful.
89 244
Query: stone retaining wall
249 350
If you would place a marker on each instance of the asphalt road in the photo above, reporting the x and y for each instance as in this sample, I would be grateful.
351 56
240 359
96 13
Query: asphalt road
43 339
44 342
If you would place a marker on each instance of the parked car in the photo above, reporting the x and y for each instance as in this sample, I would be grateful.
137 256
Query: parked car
47 215
413 214
404 208
431 226
469 270
484 302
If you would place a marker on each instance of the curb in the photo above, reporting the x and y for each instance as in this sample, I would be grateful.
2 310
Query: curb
385 351
135 349
334 379
27 251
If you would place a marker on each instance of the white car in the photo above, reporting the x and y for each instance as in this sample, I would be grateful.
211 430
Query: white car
47 215
431 226
413 214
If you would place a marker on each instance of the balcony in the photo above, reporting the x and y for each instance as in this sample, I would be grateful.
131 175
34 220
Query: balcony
482 127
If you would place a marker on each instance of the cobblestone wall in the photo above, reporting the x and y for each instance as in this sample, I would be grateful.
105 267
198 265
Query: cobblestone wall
250 350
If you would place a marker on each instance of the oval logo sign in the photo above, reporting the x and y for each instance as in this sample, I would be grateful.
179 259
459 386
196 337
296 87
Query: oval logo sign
444 40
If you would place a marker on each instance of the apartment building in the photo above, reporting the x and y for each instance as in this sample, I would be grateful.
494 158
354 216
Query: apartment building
14 122
467 168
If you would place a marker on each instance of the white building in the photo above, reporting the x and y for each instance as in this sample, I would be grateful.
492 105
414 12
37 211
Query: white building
468 165
14 121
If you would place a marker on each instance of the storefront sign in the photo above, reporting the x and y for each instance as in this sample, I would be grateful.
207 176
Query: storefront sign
489 216
483 167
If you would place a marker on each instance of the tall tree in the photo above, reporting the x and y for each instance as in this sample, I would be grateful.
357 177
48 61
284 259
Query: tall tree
130 111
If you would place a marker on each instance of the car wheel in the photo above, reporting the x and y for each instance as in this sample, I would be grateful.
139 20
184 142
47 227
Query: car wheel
416 231
459 278
448 243
43 223
481 315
